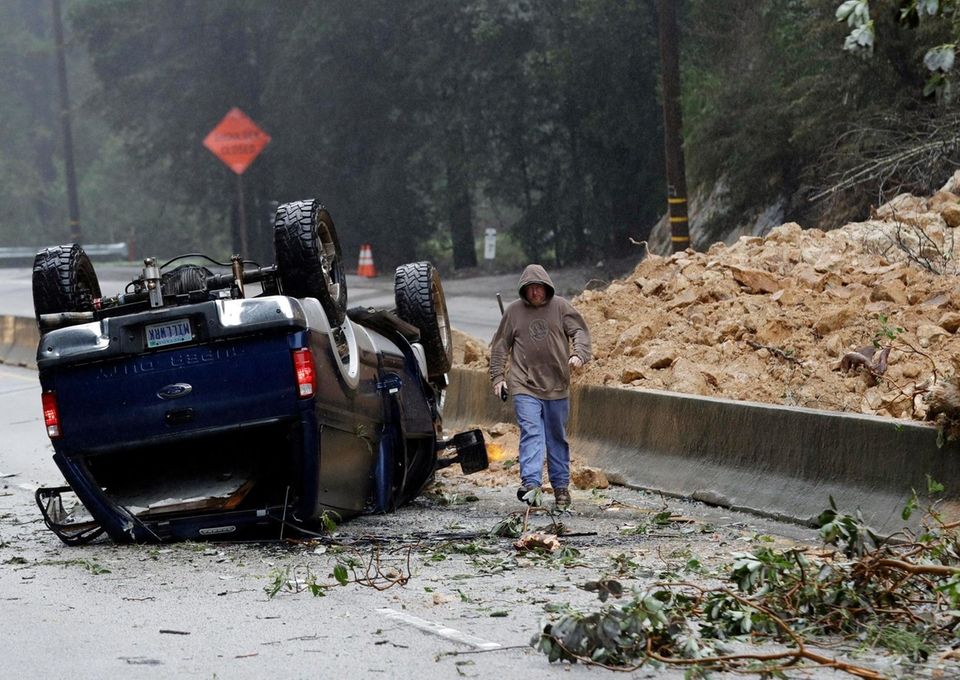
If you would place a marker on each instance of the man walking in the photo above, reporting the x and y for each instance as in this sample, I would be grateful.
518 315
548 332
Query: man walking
542 337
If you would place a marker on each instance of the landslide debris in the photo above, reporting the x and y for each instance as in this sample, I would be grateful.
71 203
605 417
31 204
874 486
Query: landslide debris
862 319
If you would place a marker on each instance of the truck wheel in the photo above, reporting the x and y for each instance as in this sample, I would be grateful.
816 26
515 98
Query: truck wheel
309 260
421 302
63 281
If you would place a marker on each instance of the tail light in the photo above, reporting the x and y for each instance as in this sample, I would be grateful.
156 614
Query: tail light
51 415
306 372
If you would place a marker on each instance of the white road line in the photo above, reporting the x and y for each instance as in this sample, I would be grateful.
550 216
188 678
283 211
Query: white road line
25 378
438 629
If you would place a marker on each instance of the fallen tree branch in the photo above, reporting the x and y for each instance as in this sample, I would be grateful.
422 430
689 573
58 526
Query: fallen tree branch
919 569
776 351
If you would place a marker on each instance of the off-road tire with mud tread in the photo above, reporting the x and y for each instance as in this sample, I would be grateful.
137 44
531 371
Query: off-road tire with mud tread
421 302
309 259
63 281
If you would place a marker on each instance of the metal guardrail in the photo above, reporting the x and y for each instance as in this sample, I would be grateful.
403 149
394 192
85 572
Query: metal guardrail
118 250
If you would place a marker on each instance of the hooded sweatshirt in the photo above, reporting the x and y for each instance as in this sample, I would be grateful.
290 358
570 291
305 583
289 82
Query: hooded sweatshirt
538 342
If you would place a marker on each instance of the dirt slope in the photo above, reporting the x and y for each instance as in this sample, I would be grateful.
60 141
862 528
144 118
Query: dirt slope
771 318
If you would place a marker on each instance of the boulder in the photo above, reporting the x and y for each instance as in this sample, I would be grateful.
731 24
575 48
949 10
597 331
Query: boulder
942 199
950 322
951 215
832 320
756 280
659 358
900 204
890 291
688 378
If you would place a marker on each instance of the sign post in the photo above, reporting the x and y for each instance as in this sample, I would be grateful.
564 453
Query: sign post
237 141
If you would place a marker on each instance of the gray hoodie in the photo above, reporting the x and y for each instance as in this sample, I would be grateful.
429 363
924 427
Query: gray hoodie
538 342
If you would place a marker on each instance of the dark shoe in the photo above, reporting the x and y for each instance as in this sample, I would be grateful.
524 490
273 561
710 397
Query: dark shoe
561 497
531 495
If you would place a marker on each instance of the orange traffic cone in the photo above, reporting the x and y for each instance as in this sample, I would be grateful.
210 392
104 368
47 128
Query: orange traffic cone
365 265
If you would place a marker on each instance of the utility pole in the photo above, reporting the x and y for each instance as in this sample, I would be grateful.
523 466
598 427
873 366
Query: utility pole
673 125
73 202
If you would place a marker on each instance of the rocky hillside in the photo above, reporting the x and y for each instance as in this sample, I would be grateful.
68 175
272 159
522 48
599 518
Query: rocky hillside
863 319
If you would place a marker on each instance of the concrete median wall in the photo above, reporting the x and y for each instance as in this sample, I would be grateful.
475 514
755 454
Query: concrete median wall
18 341
771 460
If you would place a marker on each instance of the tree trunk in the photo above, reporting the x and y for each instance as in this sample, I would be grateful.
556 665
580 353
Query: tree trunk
460 206
42 135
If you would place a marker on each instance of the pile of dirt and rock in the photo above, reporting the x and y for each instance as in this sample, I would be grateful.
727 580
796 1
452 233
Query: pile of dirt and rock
863 318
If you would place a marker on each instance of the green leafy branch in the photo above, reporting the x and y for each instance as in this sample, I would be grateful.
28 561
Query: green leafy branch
349 568
939 60
872 584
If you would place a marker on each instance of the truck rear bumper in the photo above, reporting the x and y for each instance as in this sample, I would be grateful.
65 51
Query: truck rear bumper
221 484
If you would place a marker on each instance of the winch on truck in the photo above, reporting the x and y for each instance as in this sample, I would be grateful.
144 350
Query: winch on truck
185 408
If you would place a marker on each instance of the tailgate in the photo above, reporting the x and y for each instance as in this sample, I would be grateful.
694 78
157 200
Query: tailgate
224 377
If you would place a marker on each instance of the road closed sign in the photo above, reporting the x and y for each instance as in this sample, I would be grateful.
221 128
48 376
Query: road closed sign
236 140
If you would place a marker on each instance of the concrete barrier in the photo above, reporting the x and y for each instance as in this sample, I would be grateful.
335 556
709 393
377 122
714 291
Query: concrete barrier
774 461
27 253
8 333
19 337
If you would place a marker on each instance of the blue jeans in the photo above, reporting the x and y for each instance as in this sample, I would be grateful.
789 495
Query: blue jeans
542 429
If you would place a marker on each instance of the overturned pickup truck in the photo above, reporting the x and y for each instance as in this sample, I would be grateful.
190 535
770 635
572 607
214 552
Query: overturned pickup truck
188 407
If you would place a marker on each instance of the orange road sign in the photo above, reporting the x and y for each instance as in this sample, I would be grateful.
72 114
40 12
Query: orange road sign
236 140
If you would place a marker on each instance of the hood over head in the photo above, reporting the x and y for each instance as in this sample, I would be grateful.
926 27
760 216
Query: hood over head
535 273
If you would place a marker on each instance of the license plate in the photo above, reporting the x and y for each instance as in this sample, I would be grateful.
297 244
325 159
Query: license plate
170 333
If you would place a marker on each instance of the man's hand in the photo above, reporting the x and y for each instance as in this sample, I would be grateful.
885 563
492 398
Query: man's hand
500 390
575 361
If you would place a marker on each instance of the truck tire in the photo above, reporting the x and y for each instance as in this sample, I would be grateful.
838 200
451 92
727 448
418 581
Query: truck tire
63 281
421 302
309 259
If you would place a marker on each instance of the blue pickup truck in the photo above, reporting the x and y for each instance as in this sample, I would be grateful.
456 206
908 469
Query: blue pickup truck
213 400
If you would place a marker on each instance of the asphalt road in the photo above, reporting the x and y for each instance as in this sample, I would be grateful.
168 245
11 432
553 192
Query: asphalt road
430 594
471 303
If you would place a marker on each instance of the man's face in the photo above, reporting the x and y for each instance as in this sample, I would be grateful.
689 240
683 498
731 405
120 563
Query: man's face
536 293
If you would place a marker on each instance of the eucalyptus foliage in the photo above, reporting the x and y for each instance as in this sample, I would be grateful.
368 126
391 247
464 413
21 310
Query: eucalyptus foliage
903 596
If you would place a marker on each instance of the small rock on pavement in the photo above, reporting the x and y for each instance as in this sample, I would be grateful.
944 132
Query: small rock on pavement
499 429
589 478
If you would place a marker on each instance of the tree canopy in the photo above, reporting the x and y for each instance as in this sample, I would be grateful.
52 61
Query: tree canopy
419 120
419 124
